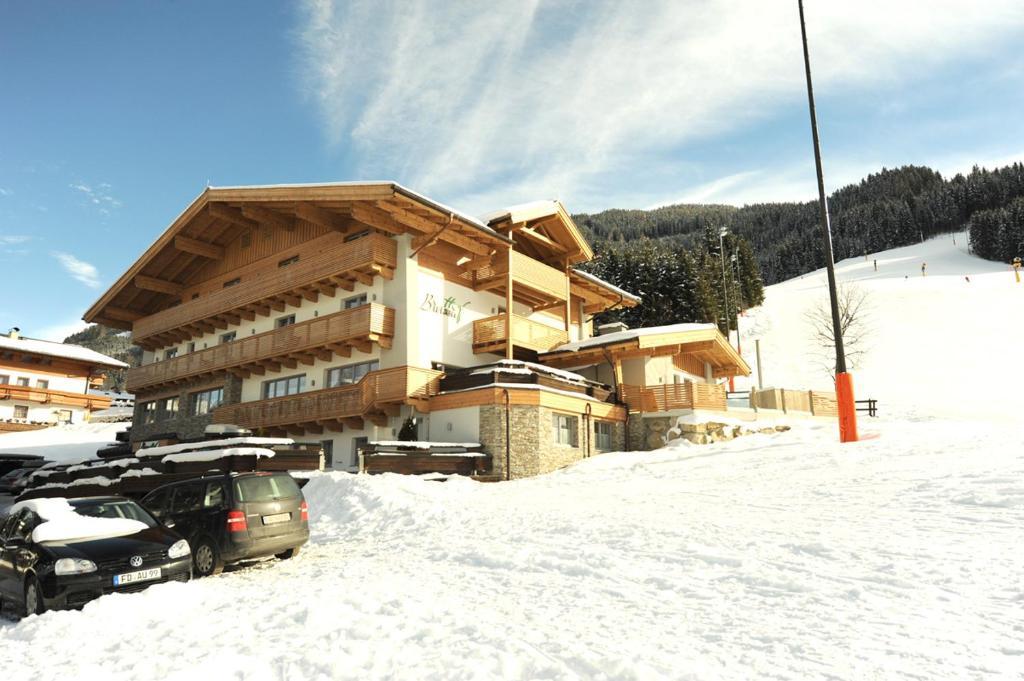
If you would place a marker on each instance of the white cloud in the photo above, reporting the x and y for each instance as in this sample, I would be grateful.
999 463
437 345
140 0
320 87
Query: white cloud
5 192
13 239
492 103
99 196
79 269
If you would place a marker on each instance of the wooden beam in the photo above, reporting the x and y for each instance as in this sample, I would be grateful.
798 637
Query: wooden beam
121 314
157 285
200 248
508 305
310 294
376 218
222 211
541 239
353 422
268 217
324 218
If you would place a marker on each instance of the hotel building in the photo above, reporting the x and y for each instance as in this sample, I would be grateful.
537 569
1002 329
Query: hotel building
338 312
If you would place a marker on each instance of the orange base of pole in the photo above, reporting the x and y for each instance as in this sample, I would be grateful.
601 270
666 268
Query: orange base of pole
847 408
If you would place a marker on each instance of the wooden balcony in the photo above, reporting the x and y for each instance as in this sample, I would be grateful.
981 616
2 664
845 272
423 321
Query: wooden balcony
60 398
303 342
378 395
339 266
489 335
670 396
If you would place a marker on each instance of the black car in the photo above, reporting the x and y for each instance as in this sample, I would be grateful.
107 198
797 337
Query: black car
234 516
65 566
14 482
9 462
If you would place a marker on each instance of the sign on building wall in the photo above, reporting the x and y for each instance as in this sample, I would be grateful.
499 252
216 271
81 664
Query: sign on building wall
446 308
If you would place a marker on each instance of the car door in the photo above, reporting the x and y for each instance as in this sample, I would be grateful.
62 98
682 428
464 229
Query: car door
184 509
6 557
156 502
13 552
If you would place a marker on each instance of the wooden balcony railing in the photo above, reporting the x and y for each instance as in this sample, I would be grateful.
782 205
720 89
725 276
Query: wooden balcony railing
374 395
669 396
348 261
364 324
57 397
489 334
536 275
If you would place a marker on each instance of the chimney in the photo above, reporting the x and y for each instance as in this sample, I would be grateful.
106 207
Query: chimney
14 333
612 327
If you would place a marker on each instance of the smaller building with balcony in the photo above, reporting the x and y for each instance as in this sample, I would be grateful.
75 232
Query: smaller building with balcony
347 313
43 383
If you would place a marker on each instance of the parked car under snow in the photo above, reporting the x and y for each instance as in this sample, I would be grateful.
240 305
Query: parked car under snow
62 553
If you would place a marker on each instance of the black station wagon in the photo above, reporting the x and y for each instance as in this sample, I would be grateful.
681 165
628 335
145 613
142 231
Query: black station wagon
233 517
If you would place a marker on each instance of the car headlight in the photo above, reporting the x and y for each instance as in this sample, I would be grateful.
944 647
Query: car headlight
74 566
180 549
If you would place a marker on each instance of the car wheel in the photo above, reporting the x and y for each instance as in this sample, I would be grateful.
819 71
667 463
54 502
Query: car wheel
206 558
290 553
33 597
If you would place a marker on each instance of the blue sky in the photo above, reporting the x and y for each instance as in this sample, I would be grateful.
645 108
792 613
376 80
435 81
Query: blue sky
116 115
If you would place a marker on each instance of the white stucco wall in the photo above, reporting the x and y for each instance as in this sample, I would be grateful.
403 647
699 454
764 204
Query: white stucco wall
42 413
454 425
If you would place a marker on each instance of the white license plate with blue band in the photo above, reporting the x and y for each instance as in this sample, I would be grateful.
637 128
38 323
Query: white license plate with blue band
140 576
276 518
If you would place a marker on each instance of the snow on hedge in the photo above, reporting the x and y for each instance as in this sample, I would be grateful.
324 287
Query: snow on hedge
213 444
214 454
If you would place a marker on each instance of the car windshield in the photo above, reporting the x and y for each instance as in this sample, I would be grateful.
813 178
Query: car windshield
265 488
114 508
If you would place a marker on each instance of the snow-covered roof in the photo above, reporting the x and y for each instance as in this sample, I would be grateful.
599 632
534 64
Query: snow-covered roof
620 336
515 366
523 212
62 523
601 282
213 444
214 454
62 350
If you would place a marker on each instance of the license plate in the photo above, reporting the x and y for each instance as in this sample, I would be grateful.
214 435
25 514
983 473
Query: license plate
140 576
276 518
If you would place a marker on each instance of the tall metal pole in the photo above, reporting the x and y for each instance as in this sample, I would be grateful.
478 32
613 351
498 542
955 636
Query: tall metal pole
844 382
725 293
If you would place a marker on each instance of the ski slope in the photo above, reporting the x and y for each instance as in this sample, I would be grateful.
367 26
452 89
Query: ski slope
939 345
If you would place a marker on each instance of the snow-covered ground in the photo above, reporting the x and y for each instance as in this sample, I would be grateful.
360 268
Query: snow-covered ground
65 443
771 556
782 556
939 345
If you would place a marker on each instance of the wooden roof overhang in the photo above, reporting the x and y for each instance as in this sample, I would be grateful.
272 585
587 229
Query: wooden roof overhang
707 345
598 297
219 215
546 232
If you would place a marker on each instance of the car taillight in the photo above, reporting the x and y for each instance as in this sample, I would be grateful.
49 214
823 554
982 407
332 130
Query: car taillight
304 509
236 521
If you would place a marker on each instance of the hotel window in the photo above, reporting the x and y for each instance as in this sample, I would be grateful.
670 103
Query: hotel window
232 282
565 427
64 416
42 384
284 386
228 337
357 235
20 411
351 373
168 408
23 382
603 435
148 412
354 301
328 448
4 379
288 261
192 347
171 354
206 401
285 321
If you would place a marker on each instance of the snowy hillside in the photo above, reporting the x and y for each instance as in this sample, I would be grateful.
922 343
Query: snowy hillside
939 345
781 556
65 443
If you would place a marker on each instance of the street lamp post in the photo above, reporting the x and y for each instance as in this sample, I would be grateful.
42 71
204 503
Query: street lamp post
844 381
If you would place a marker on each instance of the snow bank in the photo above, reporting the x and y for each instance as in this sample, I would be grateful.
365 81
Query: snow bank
218 444
63 524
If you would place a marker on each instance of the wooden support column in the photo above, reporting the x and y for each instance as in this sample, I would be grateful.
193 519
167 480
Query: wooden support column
508 304
568 303
617 368
583 320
